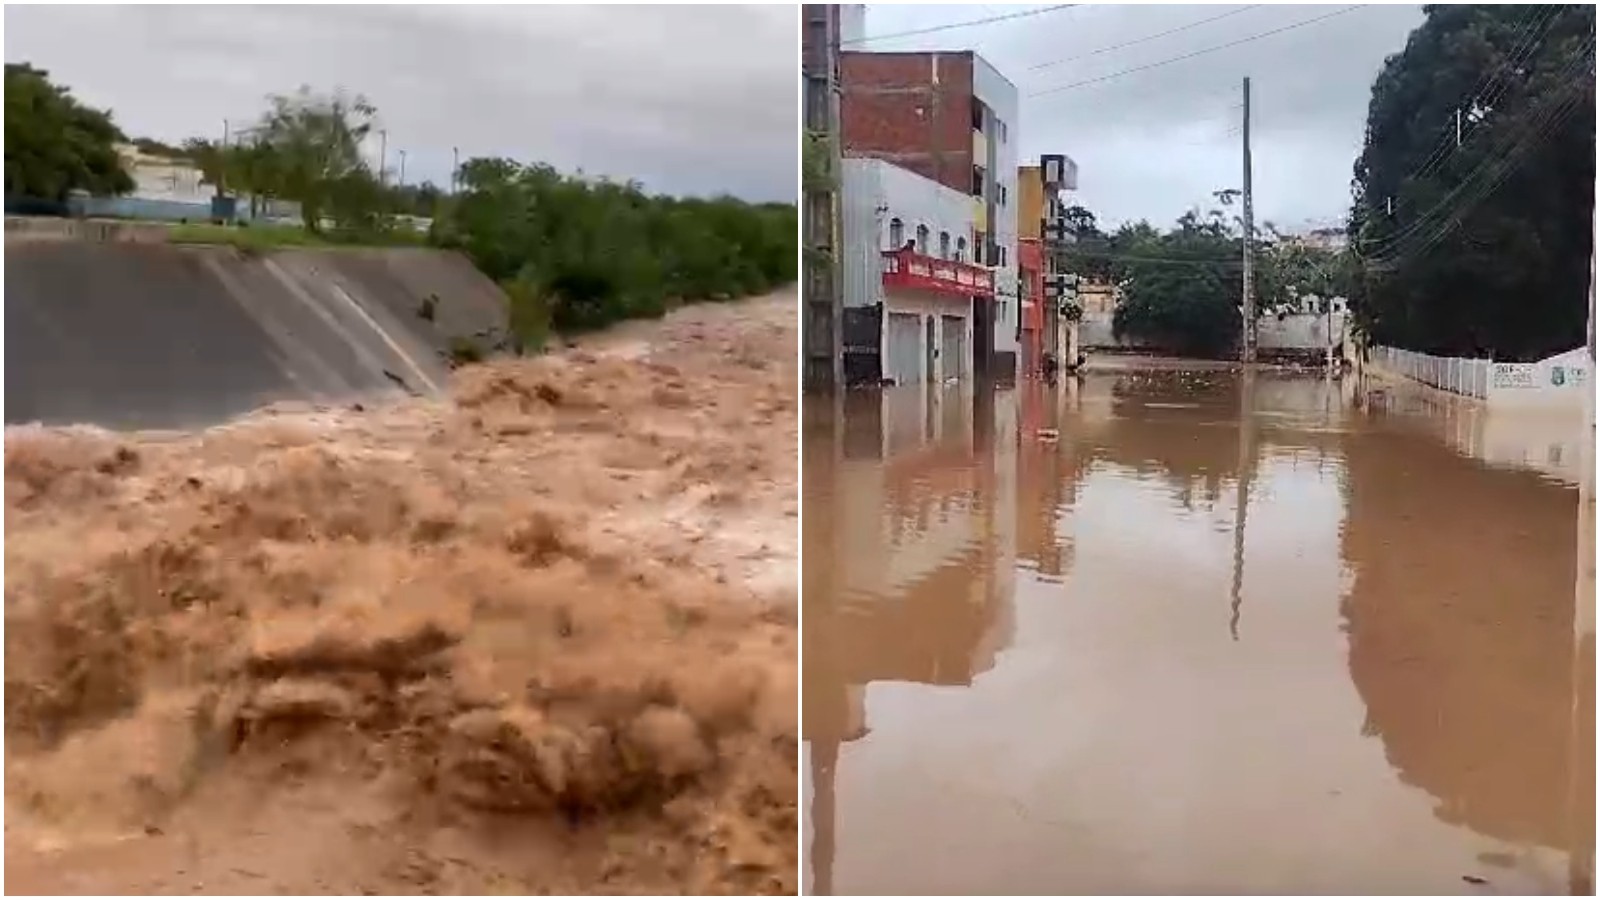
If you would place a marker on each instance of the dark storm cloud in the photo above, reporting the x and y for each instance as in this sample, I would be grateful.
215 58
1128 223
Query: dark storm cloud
692 100
1154 143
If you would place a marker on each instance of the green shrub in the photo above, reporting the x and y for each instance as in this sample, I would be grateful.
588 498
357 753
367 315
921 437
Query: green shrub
464 350
595 252
529 314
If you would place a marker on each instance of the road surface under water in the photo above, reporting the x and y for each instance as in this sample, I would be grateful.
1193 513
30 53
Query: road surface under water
1187 632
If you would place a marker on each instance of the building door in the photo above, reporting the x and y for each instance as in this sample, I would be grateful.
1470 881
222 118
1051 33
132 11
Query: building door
904 350
982 337
930 347
953 344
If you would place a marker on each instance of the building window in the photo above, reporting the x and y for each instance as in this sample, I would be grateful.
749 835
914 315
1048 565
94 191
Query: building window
922 239
944 245
961 249
977 181
1002 125
977 114
1002 251
1002 195
979 250
897 234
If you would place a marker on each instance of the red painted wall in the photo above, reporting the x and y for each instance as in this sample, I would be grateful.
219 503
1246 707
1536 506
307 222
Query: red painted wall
890 111
1030 271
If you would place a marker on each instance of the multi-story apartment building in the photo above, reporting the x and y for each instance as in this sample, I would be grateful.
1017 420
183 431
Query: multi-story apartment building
951 118
1041 230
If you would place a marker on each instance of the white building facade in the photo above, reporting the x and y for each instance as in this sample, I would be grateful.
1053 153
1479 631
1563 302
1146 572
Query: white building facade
927 290
995 138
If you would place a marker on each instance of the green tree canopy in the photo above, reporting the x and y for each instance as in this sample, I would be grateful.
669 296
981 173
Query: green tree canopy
54 144
1182 289
598 250
315 142
1481 247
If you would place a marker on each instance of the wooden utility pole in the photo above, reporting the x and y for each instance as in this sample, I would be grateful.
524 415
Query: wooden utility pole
1247 350
822 285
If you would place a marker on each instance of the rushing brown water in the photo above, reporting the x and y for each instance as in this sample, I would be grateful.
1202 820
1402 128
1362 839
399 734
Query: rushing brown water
1180 632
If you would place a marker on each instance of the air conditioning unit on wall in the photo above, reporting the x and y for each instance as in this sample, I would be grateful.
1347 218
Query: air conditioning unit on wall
1058 172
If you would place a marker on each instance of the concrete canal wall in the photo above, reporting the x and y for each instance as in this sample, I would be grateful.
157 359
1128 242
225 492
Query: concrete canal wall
139 334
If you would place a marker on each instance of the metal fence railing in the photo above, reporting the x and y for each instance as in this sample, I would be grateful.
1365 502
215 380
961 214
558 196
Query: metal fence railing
1458 375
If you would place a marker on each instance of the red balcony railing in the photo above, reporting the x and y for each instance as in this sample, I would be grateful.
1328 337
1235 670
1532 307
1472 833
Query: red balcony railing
909 269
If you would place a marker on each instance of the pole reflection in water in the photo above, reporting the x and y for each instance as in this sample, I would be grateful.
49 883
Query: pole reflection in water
1019 675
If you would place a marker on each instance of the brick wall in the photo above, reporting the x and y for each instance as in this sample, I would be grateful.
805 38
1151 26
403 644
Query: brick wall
890 111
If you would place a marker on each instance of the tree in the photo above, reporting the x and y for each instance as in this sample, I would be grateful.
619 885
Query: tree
1287 271
315 141
211 158
54 144
1483 247
1181 288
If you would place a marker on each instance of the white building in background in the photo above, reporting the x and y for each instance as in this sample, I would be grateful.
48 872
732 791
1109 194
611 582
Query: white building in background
162 178
907 245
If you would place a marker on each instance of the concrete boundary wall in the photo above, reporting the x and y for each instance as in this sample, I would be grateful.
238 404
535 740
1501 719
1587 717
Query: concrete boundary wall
1559 382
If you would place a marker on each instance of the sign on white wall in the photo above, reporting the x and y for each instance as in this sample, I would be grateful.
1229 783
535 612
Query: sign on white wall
1512 376
1562 379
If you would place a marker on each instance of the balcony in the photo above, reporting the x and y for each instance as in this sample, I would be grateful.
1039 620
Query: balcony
909 269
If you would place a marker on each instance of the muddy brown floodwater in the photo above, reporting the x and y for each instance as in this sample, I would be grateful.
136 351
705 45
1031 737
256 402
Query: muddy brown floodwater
540 639
1187 632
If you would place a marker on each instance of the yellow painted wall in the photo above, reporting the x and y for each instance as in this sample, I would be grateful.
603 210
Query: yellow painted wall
1030 202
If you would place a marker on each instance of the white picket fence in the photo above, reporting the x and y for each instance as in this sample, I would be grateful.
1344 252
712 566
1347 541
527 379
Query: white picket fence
1467 377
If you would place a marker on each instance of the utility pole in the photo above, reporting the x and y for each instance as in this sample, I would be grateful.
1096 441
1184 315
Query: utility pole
402 168
455 170
222 170
1247 352
822 285
1458 126
383 156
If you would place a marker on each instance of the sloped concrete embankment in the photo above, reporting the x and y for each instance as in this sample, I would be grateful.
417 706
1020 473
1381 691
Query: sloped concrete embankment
131 335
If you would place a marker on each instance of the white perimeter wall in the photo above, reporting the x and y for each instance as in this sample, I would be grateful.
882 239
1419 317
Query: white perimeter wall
1297 331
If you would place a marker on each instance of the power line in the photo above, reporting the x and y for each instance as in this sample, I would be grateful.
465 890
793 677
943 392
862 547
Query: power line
1503 171
1139 258
954 25
1522 51
1508 138
1146 38
1505 168
1498 166
1170 60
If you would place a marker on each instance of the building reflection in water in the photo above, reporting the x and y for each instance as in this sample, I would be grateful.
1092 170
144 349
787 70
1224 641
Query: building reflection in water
916 505
933 515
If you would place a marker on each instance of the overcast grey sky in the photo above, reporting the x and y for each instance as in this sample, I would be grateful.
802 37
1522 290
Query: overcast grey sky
1154 143
689 100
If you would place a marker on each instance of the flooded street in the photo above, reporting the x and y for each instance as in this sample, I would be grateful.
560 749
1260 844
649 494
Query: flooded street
1187 632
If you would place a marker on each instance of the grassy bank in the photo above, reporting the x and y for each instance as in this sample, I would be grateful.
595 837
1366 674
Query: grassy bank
257 238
